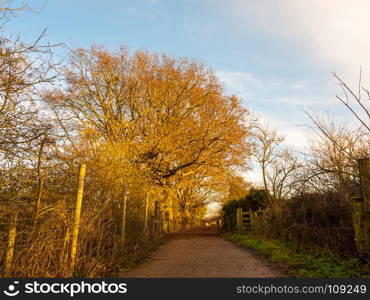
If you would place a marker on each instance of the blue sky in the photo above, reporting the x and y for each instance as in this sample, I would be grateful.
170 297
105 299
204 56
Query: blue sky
276 55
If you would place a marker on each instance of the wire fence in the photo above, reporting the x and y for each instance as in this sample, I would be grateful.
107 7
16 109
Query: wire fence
42 245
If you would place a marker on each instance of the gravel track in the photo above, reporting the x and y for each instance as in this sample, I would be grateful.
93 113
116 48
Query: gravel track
202 256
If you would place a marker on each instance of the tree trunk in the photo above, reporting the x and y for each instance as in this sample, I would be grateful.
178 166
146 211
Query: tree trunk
40 187
77 219
40 190
10 247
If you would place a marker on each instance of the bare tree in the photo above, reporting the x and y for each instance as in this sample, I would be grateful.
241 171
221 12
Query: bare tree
332 160
354 101
278 165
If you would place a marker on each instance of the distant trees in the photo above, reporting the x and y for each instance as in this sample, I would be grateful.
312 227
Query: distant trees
278 165
20 79
237 187
24 69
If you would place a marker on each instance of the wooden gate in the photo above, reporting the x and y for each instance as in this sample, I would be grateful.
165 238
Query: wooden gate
247 219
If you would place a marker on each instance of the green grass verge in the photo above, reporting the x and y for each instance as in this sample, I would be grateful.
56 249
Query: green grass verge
299 264
133 261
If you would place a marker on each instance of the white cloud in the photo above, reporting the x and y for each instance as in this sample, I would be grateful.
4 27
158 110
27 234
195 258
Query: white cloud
295 133
236 79
254 175
301 101
333 32
297 85
238 82
237 76
251 88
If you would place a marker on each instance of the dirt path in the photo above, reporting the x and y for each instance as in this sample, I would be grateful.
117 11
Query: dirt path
202 256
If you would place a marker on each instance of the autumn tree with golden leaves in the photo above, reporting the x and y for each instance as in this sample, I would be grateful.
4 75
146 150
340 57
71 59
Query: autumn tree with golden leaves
165 118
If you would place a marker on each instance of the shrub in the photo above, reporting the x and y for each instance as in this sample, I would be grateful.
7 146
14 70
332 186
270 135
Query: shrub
254 200
316 220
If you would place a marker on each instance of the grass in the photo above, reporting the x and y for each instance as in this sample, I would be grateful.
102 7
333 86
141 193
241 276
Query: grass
300 264
133 261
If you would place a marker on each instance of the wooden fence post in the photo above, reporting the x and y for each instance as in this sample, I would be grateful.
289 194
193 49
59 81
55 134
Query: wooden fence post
361 209
159 218
146 214
239 219
123 220
357 215
170 222
251 218
11 242
77 218
156 220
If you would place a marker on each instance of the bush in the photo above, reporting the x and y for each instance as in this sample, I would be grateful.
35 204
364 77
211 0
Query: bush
316 220
309 221
254 200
